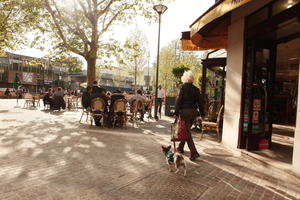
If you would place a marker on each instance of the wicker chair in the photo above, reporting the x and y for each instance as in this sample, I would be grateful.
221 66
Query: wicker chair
137 108
97 109
86 112
36 100
74 102
120 112
28 100
149 108
215 126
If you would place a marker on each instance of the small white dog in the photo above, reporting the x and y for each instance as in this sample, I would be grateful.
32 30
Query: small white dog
175 158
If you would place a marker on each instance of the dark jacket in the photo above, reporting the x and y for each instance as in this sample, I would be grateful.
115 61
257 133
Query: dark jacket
113 98
86 100
47 99
189 97
98 90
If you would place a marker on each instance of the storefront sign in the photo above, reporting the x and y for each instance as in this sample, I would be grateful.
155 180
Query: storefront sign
255 117
25 77
256 104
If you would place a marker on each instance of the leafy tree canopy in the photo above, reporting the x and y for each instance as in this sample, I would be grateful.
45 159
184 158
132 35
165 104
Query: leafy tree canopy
67 61
17 18
178 72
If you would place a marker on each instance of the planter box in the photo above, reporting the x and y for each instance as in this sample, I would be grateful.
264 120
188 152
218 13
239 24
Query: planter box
170 106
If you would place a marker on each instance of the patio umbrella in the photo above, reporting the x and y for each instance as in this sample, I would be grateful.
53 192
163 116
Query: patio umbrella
83 84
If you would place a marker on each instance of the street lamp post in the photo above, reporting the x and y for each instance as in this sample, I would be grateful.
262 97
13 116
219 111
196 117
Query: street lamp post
160 9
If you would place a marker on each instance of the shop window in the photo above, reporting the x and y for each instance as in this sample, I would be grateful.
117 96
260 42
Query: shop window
282 5
258 17
15 66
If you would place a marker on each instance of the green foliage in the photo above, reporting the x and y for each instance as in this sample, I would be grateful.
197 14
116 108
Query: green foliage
178 72
66 61
135 55
79 26
16 82
17 18
171 56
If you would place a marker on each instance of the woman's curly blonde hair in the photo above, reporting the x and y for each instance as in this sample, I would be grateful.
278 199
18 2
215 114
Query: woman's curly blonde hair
187 77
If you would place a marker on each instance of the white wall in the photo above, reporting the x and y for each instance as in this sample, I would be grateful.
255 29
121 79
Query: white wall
233 83
296 152
235 54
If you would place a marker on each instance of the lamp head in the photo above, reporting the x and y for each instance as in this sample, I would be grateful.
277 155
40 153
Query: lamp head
160 9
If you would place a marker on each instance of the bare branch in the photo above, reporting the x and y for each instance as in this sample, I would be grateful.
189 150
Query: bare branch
85 11
105 27
105 10
101 2
60 31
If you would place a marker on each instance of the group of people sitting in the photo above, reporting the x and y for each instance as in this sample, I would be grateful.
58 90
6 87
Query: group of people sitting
109 100
54 98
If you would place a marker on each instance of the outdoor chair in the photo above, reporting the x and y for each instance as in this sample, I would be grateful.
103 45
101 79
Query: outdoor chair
68 101
36 100
86 112
97 109
212 113
74 102
120 112
28 100
148 108
137 109
214 126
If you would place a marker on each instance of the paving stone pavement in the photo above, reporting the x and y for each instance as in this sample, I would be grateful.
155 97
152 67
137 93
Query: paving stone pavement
49 155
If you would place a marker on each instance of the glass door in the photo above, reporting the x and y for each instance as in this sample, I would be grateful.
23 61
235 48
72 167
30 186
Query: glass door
258 87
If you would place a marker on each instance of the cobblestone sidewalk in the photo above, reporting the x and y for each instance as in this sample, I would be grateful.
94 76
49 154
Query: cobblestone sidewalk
49 155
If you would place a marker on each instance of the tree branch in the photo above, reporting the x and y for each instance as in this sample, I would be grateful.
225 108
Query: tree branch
105 10
85 11
60 31
105 27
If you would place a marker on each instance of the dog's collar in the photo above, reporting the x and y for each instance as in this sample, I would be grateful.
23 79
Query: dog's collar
170 156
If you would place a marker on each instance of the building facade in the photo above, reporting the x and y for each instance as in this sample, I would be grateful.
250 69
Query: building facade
34 73
262 40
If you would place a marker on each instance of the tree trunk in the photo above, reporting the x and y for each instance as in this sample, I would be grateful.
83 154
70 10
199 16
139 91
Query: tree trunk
91 70
135 74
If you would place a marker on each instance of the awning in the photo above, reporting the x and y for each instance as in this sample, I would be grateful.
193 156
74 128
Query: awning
209 31
212 36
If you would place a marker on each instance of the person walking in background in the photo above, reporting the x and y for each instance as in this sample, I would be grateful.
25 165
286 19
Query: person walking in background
160 98
187 105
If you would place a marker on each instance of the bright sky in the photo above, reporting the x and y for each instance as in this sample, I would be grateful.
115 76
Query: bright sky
179 16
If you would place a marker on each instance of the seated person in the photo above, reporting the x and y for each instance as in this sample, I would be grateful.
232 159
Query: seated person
115 96
86 98
108 96
139 97
47 98
99 92
58 100
7 92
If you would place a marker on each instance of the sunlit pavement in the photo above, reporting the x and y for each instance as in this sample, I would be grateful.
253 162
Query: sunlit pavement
49 155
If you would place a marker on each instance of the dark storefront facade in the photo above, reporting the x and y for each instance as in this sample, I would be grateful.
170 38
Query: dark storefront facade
262 40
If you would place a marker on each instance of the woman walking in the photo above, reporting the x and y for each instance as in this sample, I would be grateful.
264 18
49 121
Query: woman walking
188 105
